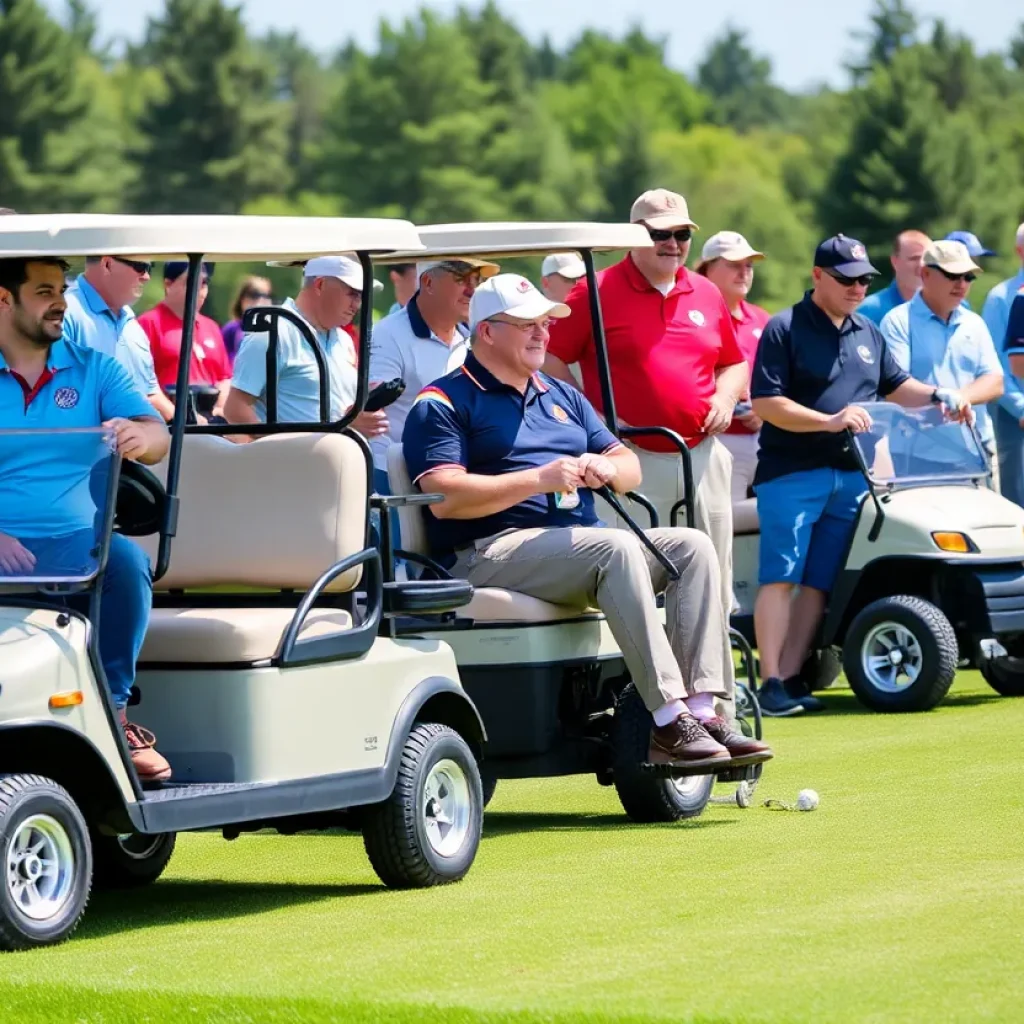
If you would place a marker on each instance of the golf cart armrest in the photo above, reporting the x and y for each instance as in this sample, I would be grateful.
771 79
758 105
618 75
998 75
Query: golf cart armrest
684 453
381 501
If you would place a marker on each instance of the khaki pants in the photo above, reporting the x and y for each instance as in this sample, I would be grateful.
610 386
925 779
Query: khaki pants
743 449
586 566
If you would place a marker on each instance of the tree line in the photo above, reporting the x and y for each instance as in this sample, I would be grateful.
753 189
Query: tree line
464 118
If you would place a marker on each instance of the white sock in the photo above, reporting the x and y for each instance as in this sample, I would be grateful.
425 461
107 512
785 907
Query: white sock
702 706
668 713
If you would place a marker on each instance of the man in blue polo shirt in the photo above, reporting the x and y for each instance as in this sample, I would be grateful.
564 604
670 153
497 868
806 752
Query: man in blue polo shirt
44 521
517 456
907 251
815 361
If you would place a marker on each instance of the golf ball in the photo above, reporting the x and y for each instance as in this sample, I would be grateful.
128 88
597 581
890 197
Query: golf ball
807 800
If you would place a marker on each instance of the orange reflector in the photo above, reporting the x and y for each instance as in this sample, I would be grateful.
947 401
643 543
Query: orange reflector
952 542
67 699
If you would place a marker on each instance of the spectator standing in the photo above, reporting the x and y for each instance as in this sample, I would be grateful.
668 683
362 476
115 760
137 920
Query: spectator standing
975 249
405 280
253 291
907 251
727 261
1014 342
559 273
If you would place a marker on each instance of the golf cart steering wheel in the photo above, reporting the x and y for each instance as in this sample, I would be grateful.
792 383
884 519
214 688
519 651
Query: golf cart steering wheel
141 501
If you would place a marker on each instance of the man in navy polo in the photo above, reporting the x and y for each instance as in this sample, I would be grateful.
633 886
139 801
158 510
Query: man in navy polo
45 382
517 456
815 361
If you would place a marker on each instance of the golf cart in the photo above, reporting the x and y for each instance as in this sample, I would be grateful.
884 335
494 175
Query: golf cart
550 681
934 573
277 697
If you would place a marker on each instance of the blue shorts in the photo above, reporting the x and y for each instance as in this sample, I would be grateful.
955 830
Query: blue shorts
807 520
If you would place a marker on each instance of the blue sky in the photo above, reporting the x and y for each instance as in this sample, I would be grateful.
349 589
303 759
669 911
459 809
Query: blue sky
807 40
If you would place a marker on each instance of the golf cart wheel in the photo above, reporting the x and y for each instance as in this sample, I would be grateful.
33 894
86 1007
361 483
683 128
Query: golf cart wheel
648 798
489 784
130 861
1004 675
821 669
47 862
900 654
427 832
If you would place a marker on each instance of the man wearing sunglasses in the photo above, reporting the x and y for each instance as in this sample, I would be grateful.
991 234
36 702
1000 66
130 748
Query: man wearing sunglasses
936 340
816 361
100 316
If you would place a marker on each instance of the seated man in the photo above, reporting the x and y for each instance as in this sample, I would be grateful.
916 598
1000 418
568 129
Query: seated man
517 455
45 382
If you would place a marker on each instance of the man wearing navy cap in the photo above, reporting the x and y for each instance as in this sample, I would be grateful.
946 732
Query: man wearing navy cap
815 362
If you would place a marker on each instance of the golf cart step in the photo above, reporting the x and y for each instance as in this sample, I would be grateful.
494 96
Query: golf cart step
720 767
190 790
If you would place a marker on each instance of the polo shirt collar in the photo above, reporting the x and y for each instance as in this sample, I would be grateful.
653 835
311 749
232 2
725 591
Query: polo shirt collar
922 311
58 358
291 304
420 327
486 381
637 280
92 298
820 320
746 313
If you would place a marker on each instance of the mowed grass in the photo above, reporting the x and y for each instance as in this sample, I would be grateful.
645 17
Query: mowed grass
900 899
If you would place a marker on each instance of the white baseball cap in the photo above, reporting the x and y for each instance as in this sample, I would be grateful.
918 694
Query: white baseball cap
514 295
344 268
565 264
728 245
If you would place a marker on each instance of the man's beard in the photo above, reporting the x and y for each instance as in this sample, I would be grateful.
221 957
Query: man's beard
36 332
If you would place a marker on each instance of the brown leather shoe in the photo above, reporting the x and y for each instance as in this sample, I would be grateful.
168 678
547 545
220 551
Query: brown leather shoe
685 741
150 765
734 741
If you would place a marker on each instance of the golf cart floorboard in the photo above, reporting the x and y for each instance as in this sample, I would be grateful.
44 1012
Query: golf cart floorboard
723 766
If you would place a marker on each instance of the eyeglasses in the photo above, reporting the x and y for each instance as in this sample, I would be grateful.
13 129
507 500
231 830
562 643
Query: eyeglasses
848 282
968 277
466 277
139 266
526 326
662 235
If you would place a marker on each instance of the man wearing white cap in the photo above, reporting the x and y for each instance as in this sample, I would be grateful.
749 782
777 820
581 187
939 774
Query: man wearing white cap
675 362
329 303
517 456
559 273
727 261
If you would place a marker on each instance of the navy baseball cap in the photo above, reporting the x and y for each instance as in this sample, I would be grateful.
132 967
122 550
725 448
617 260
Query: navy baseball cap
175 268
972 241
845 255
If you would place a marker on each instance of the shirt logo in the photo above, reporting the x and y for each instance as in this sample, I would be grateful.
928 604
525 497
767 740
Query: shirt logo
697 317
560 414
65 398
866 355
858 252
210 343
756 332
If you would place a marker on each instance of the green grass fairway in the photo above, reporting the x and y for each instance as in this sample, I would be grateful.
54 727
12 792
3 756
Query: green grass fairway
900 899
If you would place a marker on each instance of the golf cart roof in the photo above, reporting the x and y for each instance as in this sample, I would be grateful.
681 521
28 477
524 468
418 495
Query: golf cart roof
218 239
512 239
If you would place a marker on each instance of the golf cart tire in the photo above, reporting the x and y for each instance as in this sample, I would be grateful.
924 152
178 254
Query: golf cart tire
1004 675
821 669
395 832
648 798
489 784
66 841
939 654
130 861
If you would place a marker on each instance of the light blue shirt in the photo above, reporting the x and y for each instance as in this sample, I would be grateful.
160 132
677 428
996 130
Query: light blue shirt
44 482
298 379
996 312
875 306
945 354
90 322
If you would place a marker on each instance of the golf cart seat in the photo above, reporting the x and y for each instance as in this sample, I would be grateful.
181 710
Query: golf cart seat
261 521
489 604
744 516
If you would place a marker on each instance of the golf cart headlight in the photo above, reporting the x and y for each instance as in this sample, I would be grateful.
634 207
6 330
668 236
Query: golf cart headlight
957 542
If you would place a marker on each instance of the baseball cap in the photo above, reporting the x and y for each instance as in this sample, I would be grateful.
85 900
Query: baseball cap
845 255
565 264
175 268
953 257
659 208
973 243
514 295
344 268
728 245
459 265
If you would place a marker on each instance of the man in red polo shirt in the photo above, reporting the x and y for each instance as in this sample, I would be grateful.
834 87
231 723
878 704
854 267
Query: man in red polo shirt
675 362
163 325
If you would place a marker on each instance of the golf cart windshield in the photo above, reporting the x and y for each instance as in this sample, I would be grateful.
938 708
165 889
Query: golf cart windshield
910 446
56 504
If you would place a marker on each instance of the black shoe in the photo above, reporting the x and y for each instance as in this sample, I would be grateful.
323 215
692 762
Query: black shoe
775 702
796 689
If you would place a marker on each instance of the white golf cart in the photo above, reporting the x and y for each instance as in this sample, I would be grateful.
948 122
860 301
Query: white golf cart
934 574
276 696
550 681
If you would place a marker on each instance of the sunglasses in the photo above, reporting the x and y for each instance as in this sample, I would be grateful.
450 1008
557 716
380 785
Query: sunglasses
258 295
662 235
968 277
848 282
139 266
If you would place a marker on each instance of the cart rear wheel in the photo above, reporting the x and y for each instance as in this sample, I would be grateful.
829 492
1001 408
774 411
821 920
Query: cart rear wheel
1004 675
131 860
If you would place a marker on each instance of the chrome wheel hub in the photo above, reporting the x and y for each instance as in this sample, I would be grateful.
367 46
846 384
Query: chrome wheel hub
891 657
40 863
447 807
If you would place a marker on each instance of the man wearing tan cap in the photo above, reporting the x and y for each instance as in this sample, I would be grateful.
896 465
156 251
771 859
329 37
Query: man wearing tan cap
727 261
559 273
675 362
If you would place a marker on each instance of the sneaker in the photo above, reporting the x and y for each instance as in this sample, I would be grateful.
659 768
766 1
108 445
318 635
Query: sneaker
775 702
685 741
150 765
796 689
734 741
